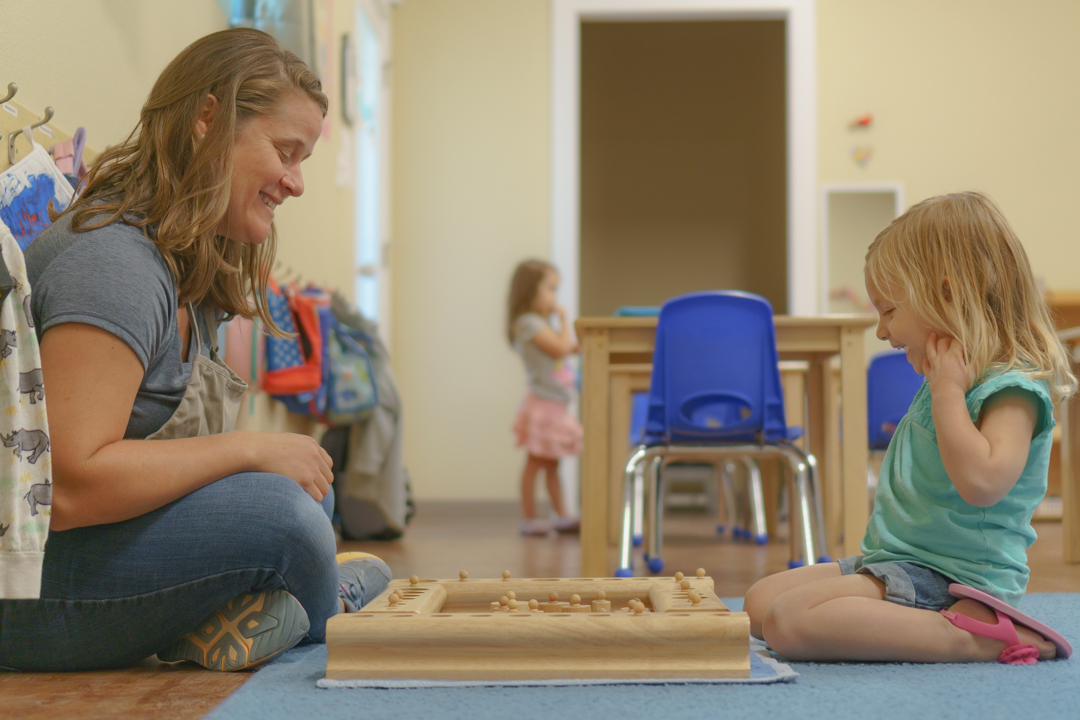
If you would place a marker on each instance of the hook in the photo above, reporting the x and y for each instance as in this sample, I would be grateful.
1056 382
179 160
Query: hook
12 136
12 88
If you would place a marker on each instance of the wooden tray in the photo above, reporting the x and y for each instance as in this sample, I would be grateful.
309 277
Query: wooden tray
448 630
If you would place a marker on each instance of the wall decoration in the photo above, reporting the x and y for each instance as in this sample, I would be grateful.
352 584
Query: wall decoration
350 81
861 154
863 121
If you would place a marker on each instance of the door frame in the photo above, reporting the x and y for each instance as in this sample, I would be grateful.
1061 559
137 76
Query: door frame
379 15
827 189
801 79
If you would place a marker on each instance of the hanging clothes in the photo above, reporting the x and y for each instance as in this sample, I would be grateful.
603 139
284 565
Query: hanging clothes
25 459
374 493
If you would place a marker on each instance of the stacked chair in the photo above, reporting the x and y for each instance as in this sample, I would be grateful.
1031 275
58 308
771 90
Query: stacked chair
715 395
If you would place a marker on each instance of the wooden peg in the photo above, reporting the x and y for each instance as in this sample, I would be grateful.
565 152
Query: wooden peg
393 599
602 604
504 601
685 584
553 597
534 605
506 574
701 572
512 604
463 575
679 576
512 595
639 608
694 597
575 599
414 580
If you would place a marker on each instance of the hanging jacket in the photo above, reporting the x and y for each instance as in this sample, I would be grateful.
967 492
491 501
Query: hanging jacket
372 486
25 460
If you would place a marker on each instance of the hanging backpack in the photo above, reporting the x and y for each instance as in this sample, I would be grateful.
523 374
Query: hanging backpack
352 393
293 364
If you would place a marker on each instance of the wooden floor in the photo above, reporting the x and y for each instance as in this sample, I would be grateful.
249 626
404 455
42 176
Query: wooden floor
443 539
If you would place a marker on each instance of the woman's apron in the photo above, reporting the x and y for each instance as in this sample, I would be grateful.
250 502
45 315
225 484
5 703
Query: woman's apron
212 399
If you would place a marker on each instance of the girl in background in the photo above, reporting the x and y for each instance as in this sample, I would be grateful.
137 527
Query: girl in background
544 425
944 558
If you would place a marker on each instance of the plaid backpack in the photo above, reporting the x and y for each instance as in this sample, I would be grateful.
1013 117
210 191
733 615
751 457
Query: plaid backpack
293 364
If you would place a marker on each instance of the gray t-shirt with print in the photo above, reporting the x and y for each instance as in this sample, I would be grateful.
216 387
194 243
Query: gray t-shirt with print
115 279
549 379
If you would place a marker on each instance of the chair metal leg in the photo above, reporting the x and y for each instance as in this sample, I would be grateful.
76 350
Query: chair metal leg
626 539
727 475
801 500
654 537
821 537
757 501
639 503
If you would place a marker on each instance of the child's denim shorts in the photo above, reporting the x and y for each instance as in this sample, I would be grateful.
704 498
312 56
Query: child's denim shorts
905 583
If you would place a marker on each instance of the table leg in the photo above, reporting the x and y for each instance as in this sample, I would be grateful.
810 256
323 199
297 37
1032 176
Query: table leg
620 399
594 455
1070 478
831 476
854 434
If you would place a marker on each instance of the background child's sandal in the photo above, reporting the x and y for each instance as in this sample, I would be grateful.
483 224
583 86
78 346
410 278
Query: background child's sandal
1015 652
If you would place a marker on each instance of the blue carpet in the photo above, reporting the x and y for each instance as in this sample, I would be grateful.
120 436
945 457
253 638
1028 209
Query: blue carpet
858 691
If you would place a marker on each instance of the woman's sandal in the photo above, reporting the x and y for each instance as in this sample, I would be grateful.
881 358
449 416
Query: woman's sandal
1015 652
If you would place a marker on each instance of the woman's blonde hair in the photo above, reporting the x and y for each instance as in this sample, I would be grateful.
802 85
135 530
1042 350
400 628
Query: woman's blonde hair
523 288
960 267
176 188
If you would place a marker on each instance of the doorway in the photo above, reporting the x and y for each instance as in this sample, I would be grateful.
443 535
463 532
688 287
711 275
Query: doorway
683 161
800 127
851 217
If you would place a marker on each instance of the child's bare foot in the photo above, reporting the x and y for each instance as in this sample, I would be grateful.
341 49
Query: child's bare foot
977 611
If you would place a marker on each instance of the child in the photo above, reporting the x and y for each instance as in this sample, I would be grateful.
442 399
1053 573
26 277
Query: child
544 425
964 471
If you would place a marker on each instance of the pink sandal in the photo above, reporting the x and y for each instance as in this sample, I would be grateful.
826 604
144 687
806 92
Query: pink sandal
1015 652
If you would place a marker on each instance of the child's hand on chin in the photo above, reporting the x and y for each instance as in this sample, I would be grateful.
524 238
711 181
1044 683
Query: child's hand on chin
945 366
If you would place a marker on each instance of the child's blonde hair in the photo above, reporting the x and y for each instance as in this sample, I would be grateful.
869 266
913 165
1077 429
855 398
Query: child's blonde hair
962 269
523 287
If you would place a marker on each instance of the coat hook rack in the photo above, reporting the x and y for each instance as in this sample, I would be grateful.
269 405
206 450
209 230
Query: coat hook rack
12 136
12 88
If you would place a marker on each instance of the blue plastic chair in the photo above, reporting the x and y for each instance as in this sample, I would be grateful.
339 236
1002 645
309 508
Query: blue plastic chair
891 384
715 392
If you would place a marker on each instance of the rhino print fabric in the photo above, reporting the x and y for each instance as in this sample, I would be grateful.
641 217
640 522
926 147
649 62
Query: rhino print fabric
25 460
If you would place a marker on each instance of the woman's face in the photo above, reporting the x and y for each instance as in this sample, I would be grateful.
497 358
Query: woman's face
266 165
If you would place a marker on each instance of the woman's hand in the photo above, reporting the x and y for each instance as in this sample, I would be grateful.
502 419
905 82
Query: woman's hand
297 457
945 367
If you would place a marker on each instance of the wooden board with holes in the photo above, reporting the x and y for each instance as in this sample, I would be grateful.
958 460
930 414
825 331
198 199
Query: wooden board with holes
467 629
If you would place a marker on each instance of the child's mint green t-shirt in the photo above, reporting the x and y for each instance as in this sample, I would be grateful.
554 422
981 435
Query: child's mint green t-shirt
919 517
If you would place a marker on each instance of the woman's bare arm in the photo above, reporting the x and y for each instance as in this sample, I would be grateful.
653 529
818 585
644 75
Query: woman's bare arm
91 380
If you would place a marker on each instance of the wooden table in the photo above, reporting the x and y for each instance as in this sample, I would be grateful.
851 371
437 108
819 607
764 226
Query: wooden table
1069 421
617 357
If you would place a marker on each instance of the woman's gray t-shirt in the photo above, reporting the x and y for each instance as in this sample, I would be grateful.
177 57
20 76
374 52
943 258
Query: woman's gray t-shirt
549 379
114 278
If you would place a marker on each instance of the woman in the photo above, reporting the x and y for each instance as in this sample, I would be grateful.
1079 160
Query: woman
170 533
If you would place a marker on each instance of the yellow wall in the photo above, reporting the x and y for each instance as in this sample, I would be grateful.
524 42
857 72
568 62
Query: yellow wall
95 61
470 200
966 94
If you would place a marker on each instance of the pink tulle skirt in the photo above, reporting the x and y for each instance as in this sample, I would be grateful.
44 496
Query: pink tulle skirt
547 429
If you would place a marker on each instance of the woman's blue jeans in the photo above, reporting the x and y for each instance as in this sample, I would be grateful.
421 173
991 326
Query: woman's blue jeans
113 595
